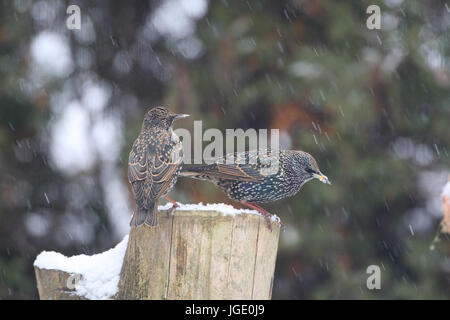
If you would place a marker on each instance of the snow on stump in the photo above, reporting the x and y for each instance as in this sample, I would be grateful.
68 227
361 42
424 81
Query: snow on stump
79 277
199 252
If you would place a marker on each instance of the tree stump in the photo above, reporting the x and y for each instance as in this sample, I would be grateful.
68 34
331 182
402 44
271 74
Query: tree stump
200 255
190 255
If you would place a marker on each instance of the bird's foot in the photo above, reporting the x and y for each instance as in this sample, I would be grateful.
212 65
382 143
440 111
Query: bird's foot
169 212
174 205
267 215
268 222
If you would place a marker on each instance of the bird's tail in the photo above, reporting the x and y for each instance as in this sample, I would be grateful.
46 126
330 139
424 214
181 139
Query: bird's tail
219 171
148 217
198 171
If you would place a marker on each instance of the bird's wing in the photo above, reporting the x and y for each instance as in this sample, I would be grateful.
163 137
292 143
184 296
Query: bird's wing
243 166
137 164
152 182
239 172
138 173
151 170
242 172
163 173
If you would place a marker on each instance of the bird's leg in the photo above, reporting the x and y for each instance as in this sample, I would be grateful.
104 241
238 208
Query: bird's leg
283 226
266 214
174 204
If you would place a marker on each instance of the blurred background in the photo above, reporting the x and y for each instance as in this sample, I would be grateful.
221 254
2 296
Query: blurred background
372 106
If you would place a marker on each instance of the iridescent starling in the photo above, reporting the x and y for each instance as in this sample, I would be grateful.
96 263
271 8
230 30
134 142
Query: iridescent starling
155 161
259 176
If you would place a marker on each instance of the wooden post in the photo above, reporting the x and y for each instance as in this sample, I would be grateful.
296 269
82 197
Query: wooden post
200 255
190 255
52 285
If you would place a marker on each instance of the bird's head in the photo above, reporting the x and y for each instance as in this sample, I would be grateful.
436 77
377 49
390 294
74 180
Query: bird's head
161 117
306 166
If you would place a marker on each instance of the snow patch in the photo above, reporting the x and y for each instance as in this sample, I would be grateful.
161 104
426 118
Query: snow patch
99 273
223 208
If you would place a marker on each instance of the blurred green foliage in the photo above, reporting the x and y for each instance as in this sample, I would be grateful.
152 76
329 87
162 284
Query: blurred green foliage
311 68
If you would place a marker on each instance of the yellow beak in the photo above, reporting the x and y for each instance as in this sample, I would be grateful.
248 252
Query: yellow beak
323 178
180 116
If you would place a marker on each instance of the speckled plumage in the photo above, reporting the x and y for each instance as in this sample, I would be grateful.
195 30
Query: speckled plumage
155 161
259 177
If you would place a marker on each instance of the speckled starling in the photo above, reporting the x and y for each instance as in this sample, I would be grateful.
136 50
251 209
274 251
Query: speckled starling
259 176
154 163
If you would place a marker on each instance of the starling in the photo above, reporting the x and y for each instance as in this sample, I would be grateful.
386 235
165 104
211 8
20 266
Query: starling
154 163
259 176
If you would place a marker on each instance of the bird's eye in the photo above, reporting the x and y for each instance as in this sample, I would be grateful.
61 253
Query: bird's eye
309 170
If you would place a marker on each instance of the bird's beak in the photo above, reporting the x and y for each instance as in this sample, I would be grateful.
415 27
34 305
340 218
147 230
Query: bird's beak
179 116
323 178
